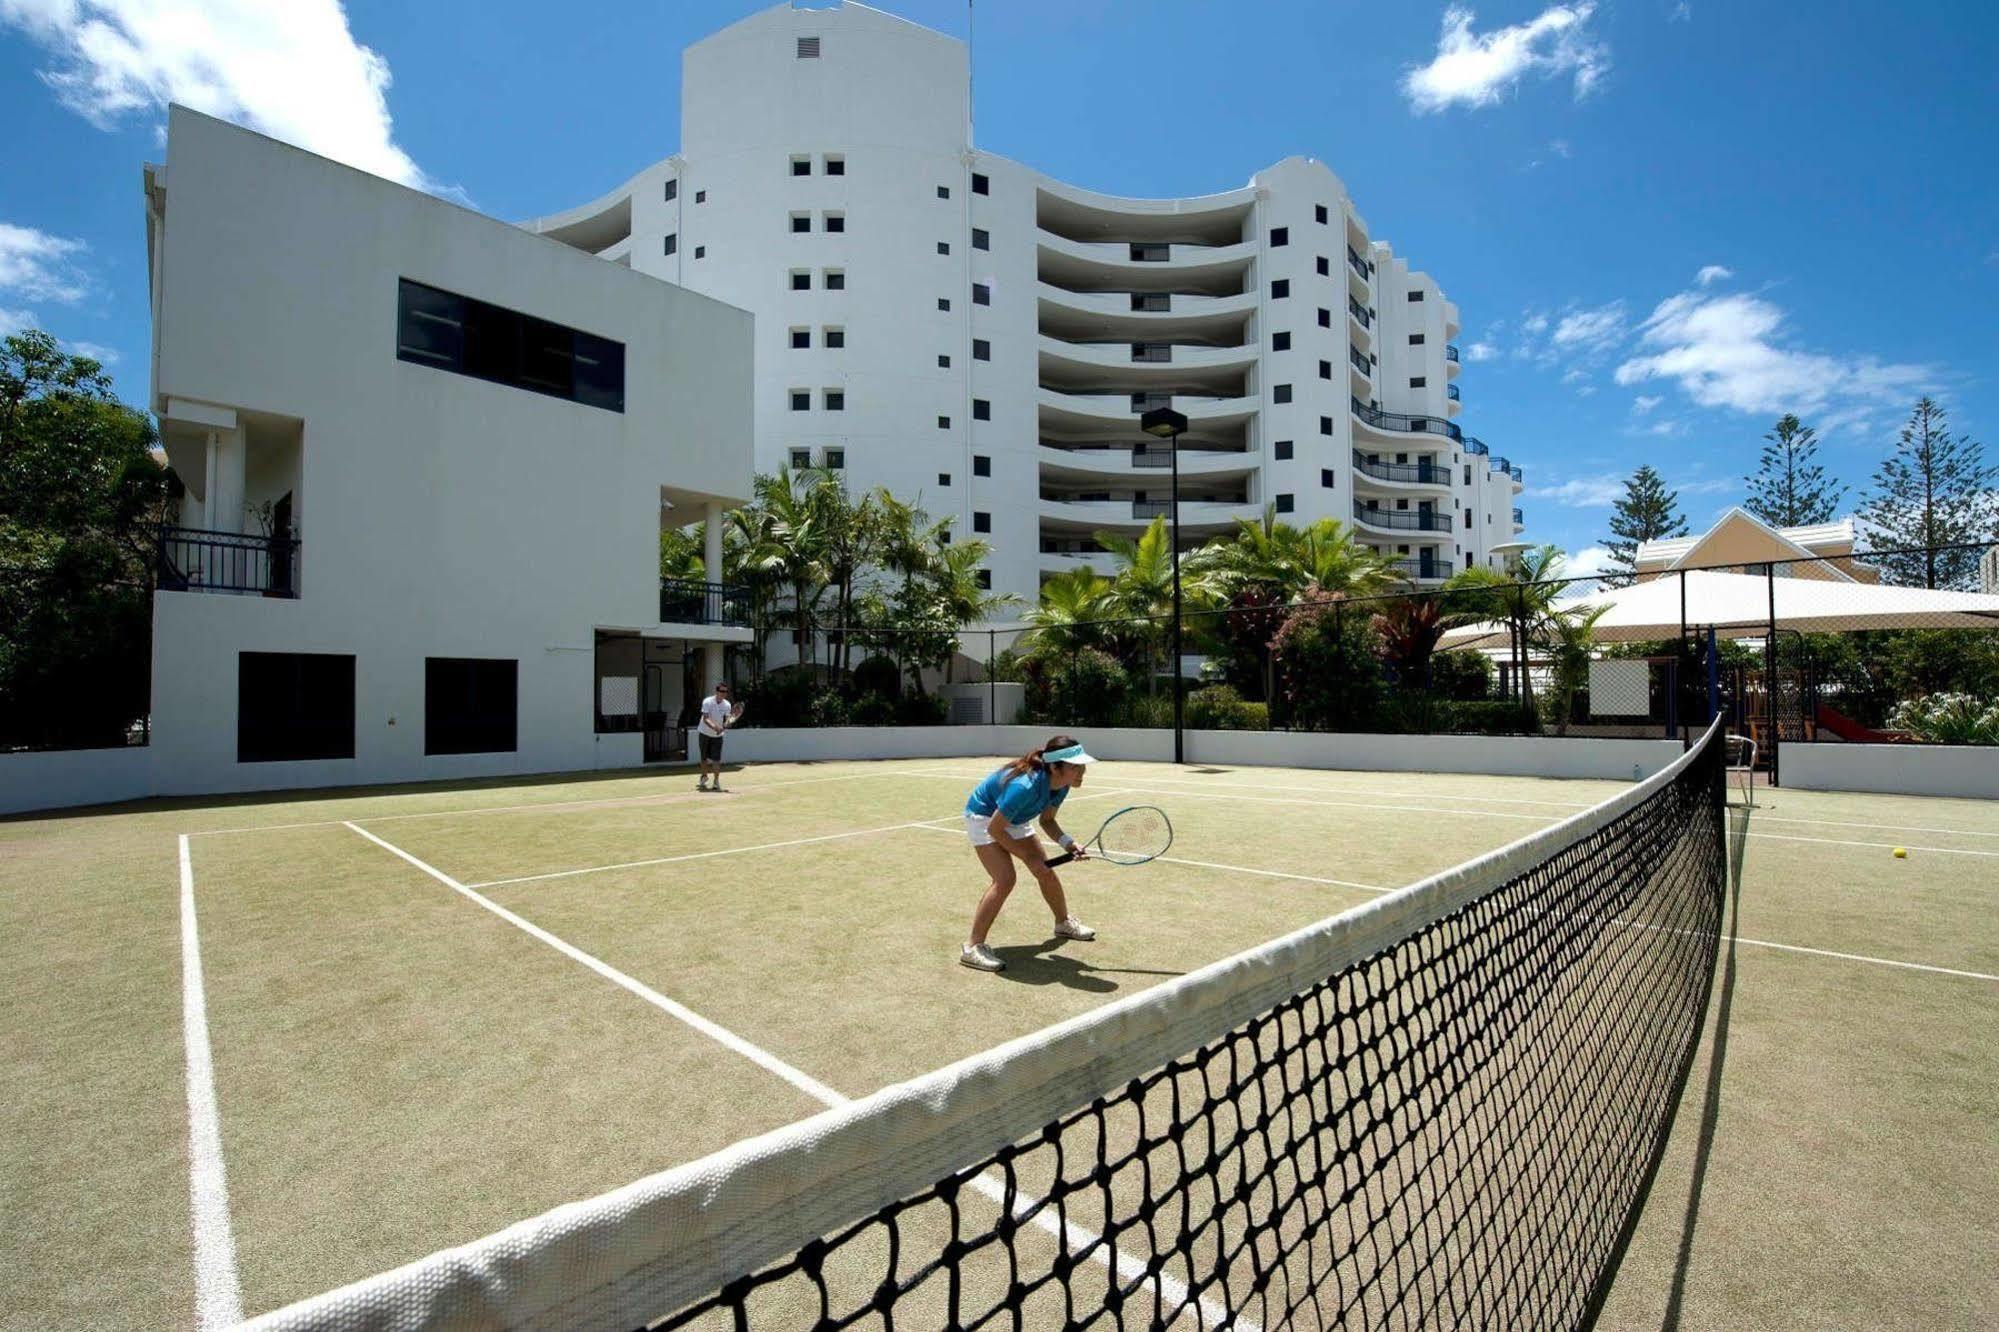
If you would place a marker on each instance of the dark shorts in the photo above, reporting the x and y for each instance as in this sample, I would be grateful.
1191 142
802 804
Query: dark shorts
711 747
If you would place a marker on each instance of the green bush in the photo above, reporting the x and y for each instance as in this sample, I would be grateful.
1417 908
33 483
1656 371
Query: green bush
1081 688
1220 708
1466 676
1948 719
916 709
872 710
1145 710
880 676
830 708
1329 669
1490 717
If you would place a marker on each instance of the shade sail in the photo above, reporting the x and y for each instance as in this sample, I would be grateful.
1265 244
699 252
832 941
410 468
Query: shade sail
1738 606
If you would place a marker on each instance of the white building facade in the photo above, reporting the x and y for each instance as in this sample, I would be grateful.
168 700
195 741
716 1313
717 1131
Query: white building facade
427 460
980 338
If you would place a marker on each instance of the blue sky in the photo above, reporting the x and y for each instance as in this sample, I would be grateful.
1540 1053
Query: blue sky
1664 223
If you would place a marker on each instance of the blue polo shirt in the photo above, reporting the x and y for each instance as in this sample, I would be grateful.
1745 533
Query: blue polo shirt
1020 798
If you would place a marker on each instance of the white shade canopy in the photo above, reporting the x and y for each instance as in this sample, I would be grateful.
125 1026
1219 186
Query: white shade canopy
1738 606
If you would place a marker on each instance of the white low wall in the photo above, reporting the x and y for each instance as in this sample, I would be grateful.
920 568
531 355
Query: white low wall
815 744
1928 770
74 777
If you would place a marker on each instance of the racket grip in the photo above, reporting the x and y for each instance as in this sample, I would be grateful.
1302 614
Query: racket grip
1062 859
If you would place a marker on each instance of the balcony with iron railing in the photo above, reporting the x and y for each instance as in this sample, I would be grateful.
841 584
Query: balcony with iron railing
1361 314
1474 446
1451 392
1519 477
1400 421
1359 265
1450 353
1422 472
1519 518
1402 520
1500 465
1360 362
1422 571
690 601
190 559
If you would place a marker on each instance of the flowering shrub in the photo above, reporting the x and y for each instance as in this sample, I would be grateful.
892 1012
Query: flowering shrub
1948 719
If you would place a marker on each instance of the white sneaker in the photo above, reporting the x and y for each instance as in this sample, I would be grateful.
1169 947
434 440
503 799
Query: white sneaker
980 958
1071 928
703 786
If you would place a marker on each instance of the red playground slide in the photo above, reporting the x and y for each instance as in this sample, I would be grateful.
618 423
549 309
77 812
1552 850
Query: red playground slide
1846 728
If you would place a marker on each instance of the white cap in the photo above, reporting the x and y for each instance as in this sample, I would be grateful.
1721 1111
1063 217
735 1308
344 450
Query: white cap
1073 754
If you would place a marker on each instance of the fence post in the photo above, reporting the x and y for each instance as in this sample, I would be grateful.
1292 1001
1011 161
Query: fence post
1523 695
1770 671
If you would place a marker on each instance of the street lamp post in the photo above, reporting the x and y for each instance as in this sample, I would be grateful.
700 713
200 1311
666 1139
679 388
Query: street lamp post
1167 424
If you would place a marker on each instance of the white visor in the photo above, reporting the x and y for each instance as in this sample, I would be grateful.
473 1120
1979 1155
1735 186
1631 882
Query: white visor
1073 754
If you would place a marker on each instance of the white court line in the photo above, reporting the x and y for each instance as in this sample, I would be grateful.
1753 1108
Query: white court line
1884 827
1836 841
218 1295
1069 1233
691 855
1354 804
1876 961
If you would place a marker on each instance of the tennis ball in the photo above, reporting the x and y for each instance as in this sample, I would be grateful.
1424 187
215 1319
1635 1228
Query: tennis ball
1901 853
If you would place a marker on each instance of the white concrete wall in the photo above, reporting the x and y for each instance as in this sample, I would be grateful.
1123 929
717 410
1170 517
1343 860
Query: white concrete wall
74 777
1928 770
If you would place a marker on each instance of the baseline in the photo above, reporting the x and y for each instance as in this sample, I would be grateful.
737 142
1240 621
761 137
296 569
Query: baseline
218 1291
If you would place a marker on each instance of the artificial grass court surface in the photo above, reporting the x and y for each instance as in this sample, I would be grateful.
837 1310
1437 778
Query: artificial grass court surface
399 1068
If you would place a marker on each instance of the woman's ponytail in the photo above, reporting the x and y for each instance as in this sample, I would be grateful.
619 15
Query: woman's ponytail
1032 761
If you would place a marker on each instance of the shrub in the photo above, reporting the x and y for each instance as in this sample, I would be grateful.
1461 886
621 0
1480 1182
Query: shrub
1086 687
1490 717
1220 708
1461 675
873 710
1145 710
784 699
915 709
830 709
1948 719
878 675
1329 669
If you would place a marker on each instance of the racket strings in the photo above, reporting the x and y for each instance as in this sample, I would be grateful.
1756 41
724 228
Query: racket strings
1134 835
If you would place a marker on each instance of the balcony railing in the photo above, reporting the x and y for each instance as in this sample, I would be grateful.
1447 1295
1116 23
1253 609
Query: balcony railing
1380 420
1474 446
1450 351
1152 351
1519 518
1451 392
1151 301
1150 254
1513 470
1413 568
1145 402
1362 315
1424 472
190 559
1403 520
1151 455
687 601
1360 362
1359 265
1148 508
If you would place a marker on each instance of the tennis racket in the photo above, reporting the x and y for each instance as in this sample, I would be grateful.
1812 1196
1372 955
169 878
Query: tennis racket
1132 836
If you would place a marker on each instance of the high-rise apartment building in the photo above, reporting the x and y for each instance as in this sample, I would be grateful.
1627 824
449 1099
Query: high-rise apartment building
980 337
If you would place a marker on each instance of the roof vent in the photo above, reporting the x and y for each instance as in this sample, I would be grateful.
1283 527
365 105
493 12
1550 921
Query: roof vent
808 48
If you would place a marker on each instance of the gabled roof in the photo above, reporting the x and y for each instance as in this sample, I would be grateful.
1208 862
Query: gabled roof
1680 552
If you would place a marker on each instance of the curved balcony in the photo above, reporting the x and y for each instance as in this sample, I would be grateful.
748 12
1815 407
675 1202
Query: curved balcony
1424 473
1141 463
1067 561
1474 446
1080 516
1362 320
1401 520
1078 214
1451 392
1085 414
1451 353
1422 571
1507 469
1402 423
1218 321
1214 270
1153 366
1519 518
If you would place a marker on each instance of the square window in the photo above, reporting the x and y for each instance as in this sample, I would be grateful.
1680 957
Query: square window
982 410
943 247
943 536
801 166
672 243
836 222
1280 236
1418 381
985 580
1415 339
836 459
801 281
981 239
1283 450
943 478
981 294
801 400
982 350
1415 295
980 185
1326 477
943 363
982 522
836 166
944 304
1284 503
1280 342
801 337
982 465
672 190
294 705
836 400
801 459
943 191
1325 318
943 423
700 252
701 196
1325 425
1280 393
1325 369
1280 289
800 222
836 337
836 279
1319 212
808 48
1325 266
470 705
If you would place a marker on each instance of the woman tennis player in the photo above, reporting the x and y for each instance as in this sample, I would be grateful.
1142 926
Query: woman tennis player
999 819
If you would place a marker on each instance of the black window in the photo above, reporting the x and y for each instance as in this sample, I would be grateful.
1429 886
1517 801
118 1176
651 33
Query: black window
836 400
808 48
943 363
800 222
836 459
672 242
836 337
944 304
1418 381
982 350
1325 425
701 196
1280 236
1281 393
982 410
981 239
1284 504
836 280
943 191
1283 450
1280 289
1325 266
1326 477
1325 369
836 166
943 247
943 478
470 705
294 705
1415 295
672 190
982 465
981 294
943 423
1415 339
469 337
801 458
1325 318
982 522
801 400
801 337
985 580
801 166
1280 342
700 252
801 282
1319 212
1467 520
980 185
836 222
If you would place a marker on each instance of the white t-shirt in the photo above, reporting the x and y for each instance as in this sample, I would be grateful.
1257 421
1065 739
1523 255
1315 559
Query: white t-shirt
715 713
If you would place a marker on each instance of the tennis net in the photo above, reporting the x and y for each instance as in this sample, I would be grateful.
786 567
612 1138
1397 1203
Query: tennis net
1443 1108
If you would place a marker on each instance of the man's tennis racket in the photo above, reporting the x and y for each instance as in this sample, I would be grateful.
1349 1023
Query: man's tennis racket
1132 836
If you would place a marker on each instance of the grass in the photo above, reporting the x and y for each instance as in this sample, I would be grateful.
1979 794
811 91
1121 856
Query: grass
398 1070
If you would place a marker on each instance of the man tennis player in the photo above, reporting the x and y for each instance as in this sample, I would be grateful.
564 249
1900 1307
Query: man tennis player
717 716
999 819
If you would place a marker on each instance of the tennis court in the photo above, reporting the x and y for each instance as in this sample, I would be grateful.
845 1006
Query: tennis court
263 1048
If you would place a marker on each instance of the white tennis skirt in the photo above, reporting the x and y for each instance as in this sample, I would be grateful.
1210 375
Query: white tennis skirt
976 828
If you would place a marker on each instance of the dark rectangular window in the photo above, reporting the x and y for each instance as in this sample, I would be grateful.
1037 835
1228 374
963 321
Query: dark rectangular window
1281 393
982 465
1418 381
836 222
836 460
1325 266
944 304
801 166
1467 520
672 190
982 522
836 166
1319 212
1283 450
801 337
943 478
801 400
836 400
943 247
470 705
1415 295
1280 236
800 222
294 705
801 282
943 191
943 363
982 350
1280 342
1280 289
808 48
943 423
1415 339
801 459
981 294
1325 425
700 252
469 337
981 239
836 280
672 243
985 580
1284 503
836 337
1325 369
980 185
1325 318
701 196
982 410
1326 477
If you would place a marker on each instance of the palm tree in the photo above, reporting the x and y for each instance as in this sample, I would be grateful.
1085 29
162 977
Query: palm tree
1070 613
799 546
1141 591
753 558
1571 636
680 554
849 540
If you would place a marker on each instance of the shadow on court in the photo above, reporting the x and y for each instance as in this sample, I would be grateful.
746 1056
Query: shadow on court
1038 964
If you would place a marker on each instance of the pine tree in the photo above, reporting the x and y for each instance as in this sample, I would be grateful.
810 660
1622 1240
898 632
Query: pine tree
1789 489
1648 512
1932 491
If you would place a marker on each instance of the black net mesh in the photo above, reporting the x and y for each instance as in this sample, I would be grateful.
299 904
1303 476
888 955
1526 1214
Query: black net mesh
1134 835
1456 1130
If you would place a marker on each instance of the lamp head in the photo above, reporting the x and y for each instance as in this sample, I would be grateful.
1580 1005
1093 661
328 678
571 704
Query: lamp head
1163 423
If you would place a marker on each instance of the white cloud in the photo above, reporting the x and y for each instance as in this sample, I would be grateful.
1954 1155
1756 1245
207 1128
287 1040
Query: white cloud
1474 70
1591 330
1584 492
1644 403
1560 148
16 321
1682 13
1714 485
1711 274
1587 562
95 351
1729 351
1481 351
35 266
1575 374
1532 324
291 70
